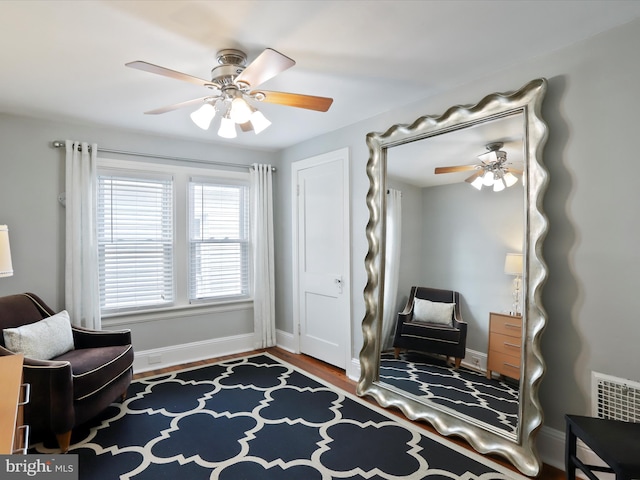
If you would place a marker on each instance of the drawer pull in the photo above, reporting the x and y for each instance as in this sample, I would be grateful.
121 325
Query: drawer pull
510 365
512 325
506 344
25 440
27 394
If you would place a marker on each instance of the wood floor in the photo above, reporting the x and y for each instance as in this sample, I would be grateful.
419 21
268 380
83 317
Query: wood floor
338 378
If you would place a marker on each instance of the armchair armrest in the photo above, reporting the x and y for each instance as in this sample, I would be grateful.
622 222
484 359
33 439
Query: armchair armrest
86 338
51 404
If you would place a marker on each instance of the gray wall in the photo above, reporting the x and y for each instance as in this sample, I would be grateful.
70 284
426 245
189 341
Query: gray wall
592 202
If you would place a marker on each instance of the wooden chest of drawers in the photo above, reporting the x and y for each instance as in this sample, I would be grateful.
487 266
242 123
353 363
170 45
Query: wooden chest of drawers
13 436
505 345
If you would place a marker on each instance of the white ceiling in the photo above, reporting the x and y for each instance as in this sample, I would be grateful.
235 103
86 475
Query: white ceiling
65 59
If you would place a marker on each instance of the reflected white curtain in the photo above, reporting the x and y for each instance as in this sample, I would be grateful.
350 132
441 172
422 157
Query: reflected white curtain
263 257
391 265
82 296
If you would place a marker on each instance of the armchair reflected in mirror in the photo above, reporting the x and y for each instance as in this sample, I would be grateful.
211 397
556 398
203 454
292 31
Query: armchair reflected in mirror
431 323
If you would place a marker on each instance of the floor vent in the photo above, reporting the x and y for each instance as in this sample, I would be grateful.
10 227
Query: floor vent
615 398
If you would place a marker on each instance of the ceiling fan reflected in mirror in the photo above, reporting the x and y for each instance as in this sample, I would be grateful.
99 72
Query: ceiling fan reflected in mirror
492 171
234 91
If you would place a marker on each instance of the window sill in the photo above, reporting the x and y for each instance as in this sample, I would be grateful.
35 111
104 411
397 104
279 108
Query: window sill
152 315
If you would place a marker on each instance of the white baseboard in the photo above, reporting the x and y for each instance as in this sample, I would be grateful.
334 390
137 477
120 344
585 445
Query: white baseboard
550 444
157 358
286 341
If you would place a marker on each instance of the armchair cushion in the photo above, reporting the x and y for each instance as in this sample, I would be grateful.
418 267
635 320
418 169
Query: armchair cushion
41 340
94 368
432 332
438 313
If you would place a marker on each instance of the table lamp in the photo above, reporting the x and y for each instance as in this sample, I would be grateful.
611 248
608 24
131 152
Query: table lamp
6 269
513 266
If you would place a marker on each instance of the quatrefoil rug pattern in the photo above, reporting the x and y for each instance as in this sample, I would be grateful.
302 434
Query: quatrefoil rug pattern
260 418
491 401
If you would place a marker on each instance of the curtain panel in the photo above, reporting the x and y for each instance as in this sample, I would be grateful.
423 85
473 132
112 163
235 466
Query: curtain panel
263 256
391 265
82 298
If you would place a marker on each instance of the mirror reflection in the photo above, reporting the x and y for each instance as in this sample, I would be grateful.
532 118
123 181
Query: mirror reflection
474 256
442 232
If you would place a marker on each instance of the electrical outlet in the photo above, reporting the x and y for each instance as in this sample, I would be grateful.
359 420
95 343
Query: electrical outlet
476 361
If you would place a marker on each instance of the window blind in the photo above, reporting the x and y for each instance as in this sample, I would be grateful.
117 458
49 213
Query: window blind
135 241
218 240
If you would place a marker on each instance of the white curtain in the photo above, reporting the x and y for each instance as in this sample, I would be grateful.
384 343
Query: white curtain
391 265
82 297
263 258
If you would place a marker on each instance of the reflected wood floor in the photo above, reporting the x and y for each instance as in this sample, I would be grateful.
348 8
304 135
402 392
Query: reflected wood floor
337 377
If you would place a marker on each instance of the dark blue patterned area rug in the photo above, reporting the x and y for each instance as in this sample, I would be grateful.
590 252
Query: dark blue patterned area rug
492 401
259 418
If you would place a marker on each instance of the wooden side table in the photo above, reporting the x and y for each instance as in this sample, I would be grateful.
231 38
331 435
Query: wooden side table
616 443
505 345
13 434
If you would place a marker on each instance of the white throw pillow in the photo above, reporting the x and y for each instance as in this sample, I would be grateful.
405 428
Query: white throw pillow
433 312
42 340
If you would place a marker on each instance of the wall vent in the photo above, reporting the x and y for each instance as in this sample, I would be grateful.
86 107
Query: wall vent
615 398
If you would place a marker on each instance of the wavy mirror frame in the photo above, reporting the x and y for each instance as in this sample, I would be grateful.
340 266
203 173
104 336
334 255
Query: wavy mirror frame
522 451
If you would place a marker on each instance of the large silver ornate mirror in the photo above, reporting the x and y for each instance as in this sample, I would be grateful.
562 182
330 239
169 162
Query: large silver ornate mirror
452 198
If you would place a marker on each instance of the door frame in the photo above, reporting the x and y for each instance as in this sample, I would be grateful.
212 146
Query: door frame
342 154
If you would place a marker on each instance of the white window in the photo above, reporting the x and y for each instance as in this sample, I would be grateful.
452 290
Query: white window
171 236
135 241
218 240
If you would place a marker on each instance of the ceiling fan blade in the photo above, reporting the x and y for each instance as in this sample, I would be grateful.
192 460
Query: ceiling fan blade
458 168
474 176
310 102
266 66
151 68
176 106
513 170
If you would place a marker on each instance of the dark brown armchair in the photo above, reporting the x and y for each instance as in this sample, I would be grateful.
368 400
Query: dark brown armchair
431 323
73 387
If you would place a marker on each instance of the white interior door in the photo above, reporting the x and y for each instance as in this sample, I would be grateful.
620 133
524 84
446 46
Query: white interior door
322 257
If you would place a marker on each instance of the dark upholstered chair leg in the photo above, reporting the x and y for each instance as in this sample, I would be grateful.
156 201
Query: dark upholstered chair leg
458 361
64 440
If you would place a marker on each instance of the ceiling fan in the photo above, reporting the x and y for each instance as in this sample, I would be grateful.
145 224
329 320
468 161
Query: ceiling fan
493 169
234 88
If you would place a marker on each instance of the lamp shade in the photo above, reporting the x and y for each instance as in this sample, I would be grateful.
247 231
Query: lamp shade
259 122
204 115
513 264
227 128
6 268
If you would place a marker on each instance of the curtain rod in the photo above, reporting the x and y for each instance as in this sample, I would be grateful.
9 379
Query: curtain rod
62 144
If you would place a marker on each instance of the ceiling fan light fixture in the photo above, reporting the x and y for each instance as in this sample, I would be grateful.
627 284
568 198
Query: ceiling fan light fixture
227 128
499 185
487 178
510 179
203 116
259 121
240 110
477 183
